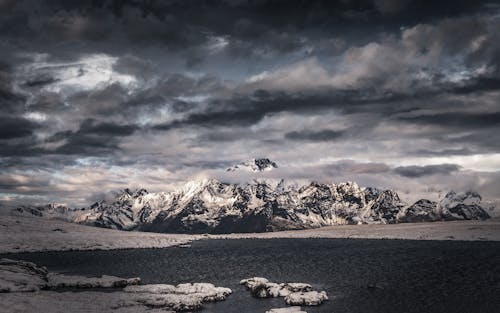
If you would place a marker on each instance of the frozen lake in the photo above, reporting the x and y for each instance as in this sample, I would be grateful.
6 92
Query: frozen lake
359 275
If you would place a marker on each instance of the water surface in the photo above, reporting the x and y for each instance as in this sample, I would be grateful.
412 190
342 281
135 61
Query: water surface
360 276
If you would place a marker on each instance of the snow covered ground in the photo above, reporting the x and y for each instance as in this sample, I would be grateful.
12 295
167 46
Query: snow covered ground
22 234
27 234
456 230
26 287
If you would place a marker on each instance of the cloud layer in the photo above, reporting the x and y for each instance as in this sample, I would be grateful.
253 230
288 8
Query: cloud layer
102 95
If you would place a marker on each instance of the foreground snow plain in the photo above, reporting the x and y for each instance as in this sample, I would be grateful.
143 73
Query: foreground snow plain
30 234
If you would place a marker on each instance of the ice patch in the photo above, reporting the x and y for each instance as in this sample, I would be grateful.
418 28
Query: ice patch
306 298
294 293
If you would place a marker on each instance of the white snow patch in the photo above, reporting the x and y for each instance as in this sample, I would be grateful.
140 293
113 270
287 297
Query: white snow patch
294 293
306 298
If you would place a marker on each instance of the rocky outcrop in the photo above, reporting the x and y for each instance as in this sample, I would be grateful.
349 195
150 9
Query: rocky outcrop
293 293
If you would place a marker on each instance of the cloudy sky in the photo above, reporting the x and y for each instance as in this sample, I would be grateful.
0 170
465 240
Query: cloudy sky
101 95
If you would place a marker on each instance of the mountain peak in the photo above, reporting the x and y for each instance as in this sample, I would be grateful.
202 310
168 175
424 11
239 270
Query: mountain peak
470 196
129 193
255 165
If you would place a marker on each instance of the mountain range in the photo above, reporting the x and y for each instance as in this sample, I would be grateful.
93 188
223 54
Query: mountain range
211 206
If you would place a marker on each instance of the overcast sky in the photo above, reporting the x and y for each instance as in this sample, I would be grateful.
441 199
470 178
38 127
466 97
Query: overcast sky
101 95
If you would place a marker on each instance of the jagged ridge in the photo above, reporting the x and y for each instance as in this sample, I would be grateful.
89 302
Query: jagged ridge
210 206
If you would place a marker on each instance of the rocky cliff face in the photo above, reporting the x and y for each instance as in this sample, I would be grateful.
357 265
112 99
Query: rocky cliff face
454 206
210 206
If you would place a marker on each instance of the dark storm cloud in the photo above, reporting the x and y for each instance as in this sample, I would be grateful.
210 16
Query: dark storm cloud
189 86
10 100
93 138
445 152
16 127
117 100
457 120
479 84
312 135
19 149
255 28
247 110
16 183
486 141
181 85
419 171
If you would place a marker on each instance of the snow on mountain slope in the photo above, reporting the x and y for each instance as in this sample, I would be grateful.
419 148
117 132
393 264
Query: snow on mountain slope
463 206
211 206
254 165
51 211
454 206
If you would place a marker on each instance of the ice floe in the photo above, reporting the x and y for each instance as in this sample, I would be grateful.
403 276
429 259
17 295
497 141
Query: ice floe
306 298
294 293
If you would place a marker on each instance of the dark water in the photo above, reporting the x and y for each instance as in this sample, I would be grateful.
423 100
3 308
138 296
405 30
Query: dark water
365 276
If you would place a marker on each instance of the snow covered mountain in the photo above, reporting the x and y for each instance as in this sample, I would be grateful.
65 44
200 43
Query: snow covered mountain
454 206
211 206
254 165
51 211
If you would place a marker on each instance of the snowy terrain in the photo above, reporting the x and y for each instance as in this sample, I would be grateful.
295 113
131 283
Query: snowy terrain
21 234
25 287
454 230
